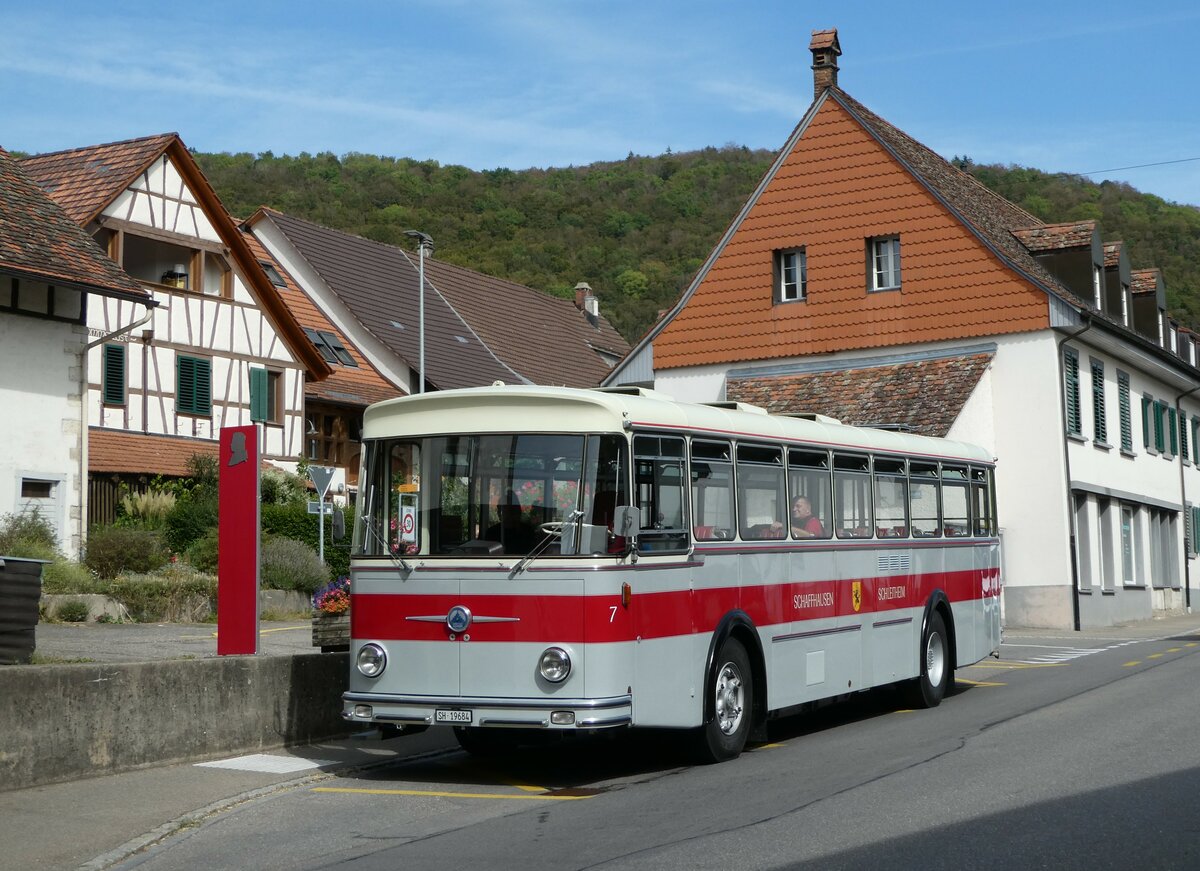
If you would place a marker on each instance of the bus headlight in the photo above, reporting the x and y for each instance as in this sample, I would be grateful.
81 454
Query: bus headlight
372 660
555 664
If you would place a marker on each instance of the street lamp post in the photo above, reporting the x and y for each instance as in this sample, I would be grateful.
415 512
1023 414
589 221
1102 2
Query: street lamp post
424 241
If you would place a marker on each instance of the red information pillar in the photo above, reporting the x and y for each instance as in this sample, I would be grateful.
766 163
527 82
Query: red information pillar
237 528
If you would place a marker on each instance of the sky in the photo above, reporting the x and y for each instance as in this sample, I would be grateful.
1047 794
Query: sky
1104 89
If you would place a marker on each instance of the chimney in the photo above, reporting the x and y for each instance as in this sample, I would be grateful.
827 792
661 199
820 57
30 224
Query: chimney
582 291
825 50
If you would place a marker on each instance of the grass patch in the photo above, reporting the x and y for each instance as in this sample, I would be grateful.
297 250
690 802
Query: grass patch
42 659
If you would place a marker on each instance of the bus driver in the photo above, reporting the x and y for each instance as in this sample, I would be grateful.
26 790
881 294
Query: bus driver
804 523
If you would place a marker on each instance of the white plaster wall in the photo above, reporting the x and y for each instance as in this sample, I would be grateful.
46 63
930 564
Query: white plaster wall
693 384
39 388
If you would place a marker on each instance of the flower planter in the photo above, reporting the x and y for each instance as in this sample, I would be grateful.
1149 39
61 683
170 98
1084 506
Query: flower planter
331 632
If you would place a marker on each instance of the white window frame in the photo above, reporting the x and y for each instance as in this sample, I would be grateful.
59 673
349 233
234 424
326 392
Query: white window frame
793 262
885 263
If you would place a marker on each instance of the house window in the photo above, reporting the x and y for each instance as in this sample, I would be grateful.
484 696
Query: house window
1126 412
1071 384
1128 547
1097 288
791 275
173 265
330 347
884 254
273 274
266 396
113 375
193 386
1099 423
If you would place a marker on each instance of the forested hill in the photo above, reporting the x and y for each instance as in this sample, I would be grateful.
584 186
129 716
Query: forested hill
636 229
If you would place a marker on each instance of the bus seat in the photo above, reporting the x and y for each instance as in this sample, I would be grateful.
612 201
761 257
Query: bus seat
703 533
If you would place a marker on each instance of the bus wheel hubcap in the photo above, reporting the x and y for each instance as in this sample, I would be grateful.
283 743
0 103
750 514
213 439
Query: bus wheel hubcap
730 698
935 659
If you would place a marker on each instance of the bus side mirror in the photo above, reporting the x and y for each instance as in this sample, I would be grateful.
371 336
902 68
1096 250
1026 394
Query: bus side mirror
627 520
338 524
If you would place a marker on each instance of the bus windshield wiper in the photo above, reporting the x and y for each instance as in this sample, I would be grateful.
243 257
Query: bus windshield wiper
399 561
553 530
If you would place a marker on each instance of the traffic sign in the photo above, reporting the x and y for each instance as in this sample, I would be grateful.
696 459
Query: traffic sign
321 477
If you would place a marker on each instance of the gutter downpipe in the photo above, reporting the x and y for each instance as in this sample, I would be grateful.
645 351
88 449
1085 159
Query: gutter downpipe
1062 393
83 413
1187 572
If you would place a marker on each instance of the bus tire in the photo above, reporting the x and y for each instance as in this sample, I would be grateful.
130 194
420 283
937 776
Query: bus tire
937 669
486 742
732 687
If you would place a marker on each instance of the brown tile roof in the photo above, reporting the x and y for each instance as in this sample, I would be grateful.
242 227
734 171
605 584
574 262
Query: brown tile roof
39 240
348 385
1057 237
1145 280
85 180
117 451
924 396
823 39
464 347
545 338
1112 254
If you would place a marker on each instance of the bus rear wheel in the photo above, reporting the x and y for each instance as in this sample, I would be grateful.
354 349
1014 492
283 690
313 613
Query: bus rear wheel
937 669
731 686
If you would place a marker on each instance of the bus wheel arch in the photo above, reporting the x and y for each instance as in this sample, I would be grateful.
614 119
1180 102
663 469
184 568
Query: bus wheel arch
936 655
734 653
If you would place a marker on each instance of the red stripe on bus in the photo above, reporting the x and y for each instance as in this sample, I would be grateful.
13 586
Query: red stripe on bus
601 619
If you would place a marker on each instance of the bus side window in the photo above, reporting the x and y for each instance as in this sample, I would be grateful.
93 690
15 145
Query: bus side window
808 478
852 496
659 482
924 499
711 474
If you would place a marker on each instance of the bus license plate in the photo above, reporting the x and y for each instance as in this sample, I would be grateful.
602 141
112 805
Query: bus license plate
443 716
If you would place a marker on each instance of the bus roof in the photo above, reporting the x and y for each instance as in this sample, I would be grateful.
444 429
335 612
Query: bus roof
520 408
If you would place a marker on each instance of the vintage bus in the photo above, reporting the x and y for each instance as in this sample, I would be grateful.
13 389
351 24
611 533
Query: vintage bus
531 559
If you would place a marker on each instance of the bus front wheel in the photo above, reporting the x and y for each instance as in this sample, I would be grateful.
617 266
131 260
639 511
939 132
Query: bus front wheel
731 686
937 670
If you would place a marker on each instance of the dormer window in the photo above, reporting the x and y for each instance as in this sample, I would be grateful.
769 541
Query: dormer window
331 348
883 254
791 275
167 263
1097 289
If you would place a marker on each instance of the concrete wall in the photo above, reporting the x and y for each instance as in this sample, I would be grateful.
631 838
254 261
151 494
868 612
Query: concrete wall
64 722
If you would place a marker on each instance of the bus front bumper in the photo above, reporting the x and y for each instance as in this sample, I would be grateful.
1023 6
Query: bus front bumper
512 713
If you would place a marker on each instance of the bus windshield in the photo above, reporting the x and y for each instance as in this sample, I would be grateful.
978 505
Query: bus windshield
491 495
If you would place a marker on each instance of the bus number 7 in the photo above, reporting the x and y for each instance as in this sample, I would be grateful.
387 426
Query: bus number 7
612 613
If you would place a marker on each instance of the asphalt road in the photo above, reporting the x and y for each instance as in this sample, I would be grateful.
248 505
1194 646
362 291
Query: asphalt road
1069 753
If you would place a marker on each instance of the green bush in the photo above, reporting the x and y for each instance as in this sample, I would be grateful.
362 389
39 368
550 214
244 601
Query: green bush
287 564
72 611
294 521
24 532
203 552
68 576
112 550
177 593
148 510
277 487
188 521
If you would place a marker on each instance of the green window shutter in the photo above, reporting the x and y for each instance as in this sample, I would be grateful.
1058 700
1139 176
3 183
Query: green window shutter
1160 442
1173 428
114 375
1194 537
1196 439
1147 404
193 385
1126 412
258 395
1071 376
1099 418
1183 436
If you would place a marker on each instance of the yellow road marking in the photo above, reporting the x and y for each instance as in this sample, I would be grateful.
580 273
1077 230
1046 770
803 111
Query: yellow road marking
770 746
1174 649
1154 656
1131 664
524 788
1190 644
980 683
1019 665
442 794
260 632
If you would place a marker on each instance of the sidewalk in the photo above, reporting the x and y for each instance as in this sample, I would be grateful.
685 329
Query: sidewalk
152 642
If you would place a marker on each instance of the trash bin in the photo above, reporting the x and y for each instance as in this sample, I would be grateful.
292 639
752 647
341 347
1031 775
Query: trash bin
20 593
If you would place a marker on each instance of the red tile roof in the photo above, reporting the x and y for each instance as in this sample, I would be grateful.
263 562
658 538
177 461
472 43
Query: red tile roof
39 240
1057 237
823 39
1112 254
118 451
1145 280
925 396
85 180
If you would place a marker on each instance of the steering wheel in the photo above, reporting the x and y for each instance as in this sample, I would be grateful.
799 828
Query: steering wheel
552 527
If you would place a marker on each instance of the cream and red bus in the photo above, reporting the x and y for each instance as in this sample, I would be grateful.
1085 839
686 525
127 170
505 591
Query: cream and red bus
531 559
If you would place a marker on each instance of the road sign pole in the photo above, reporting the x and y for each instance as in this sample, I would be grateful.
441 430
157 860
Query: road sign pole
321 477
